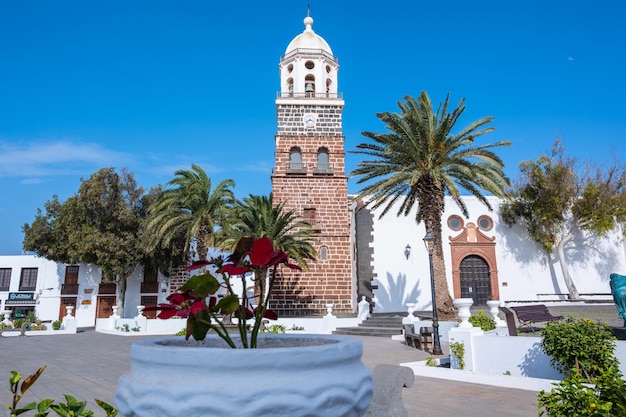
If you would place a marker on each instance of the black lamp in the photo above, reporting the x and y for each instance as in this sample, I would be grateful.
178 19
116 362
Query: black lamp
429 242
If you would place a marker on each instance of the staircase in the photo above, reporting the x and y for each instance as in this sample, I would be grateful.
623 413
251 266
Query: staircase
378 324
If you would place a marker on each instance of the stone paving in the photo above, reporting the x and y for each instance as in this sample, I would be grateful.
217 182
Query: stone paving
88 364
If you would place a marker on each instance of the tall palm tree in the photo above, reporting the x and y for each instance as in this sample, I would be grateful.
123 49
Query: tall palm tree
258 216
420 160
192 207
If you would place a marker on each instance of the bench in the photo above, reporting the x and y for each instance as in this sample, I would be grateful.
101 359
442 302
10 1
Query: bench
535 313
411 338
422 340
510 320
387 397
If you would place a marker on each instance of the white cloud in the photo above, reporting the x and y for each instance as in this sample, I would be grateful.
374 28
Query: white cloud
570 58
62 157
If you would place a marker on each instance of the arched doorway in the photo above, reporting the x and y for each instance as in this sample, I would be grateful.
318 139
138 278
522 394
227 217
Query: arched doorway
475 279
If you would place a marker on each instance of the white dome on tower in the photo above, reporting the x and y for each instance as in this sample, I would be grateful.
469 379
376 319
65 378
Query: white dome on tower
308 39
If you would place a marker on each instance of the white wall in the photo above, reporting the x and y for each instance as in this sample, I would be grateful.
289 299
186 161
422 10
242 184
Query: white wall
50 277
524 270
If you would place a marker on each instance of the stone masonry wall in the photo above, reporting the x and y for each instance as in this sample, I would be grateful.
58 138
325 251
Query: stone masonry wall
322 200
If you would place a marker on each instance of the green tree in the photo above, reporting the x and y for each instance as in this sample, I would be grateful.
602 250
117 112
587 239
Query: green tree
100 225
193 208
158 257
420 160
257 217
553 202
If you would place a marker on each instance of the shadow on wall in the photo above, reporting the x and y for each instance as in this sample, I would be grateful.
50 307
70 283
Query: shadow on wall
392 299
536 364
583 249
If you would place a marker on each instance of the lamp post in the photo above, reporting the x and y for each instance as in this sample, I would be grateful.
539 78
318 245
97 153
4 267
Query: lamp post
429 241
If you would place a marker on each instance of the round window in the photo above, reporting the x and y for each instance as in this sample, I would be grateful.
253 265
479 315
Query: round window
485 223
290 68
455 223
309 65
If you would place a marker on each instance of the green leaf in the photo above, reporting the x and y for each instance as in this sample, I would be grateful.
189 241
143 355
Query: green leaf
27 407
228 304
110 410
202 285
14 379
200 328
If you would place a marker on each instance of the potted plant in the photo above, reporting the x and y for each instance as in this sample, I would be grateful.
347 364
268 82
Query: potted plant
245 373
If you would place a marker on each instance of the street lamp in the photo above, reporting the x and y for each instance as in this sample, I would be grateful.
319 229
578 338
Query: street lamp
429 241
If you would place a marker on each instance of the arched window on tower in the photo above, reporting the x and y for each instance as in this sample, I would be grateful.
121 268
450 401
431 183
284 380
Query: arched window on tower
309 85
323 164
290 86
328 84
295 161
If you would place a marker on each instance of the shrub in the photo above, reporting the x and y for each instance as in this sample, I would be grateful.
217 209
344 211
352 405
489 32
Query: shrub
593 386
71 406
482 320
574 397
579 344
457 349
56 325
275 328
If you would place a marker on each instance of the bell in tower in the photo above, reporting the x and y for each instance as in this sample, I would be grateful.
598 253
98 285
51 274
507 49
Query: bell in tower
307 65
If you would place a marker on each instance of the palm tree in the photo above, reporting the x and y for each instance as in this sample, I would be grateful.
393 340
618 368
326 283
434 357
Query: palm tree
193 208
258 217
421 161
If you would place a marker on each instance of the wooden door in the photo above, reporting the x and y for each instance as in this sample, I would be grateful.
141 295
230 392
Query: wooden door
105 307
475 279
67 301
149 301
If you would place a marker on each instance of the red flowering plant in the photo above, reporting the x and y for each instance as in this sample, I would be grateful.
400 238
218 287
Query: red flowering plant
198 301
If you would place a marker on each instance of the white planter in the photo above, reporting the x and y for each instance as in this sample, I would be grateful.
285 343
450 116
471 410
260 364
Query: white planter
463 311
296 376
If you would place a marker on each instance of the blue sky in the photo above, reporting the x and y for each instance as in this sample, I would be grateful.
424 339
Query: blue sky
155 86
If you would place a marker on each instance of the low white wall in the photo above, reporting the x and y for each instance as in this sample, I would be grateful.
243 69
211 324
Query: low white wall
520 356
317 325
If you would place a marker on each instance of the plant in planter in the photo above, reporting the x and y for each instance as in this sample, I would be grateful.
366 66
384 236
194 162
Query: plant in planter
250 256
248 373
482 320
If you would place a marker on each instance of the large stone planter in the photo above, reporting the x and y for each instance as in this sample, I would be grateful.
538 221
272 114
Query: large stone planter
290 376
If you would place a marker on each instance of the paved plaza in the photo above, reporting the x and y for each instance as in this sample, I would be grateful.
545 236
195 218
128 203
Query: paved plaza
88 364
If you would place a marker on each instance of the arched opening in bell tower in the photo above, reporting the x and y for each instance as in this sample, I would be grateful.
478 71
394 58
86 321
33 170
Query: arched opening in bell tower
309 85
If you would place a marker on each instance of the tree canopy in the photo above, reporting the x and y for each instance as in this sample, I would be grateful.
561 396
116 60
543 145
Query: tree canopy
102 224
553 200
191 206
419 160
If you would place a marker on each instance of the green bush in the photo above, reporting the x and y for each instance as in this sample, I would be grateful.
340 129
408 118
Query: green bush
482 320
575 397
56 325
593 386
457 349
275 328
71 406
579 344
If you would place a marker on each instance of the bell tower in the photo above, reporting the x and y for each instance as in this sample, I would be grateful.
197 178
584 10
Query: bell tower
309 175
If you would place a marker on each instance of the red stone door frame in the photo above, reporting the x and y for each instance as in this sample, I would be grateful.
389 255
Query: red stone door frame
471 241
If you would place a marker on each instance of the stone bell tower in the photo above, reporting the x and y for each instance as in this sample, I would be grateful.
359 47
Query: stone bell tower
309 175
